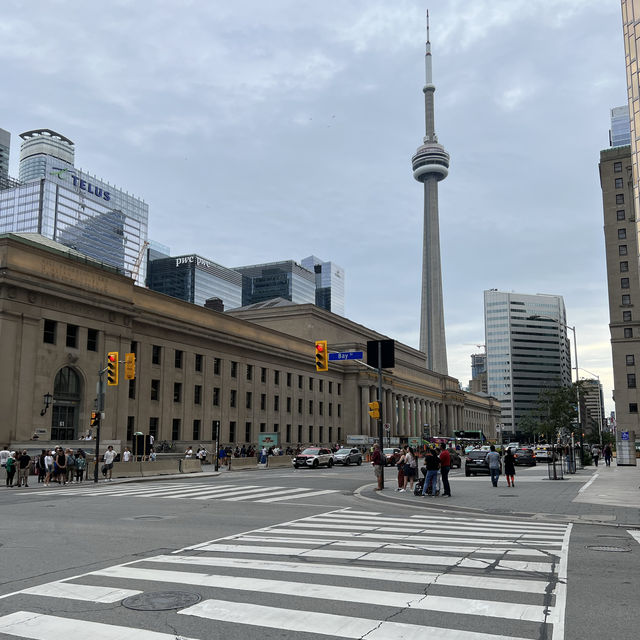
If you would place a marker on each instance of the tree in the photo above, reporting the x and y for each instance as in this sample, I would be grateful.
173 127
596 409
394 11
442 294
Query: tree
557 409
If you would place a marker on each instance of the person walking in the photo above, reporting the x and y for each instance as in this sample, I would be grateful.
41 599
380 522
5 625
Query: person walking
445 466
432 463
4 455
24 466
48 467
109 457
400 460
595 452
607 454
493 459
510 468
410 468
377 462
10 466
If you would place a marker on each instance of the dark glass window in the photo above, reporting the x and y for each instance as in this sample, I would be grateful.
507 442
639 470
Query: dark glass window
617 167
263 374
619 198
153 427
631 380
276 403
196 429
620 215
215 429
287 437
624 283
49 333
626 299
92 339
216 366
289 376
247 432
216 396
132 389
288 405
233 396
177 391
263 401
330 434
320 408
339 411
263 427
310 384
155 389
248 400
311 434
197 394
339 390
276 377
299 382
320 435
311 407
622 250
232 431
628 332
134 347
299 433
156 354
197 363
234 369
299 405
320 386
622 234
175 429
624 266
276 427
178 359
626 316
618 183
330 386
330 410
72 336
249 371
131 423
633 407
631 359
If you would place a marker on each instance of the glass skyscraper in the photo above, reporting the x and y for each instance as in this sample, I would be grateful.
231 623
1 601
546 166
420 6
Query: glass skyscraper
527 350
620 132
329 284
73 207
5 144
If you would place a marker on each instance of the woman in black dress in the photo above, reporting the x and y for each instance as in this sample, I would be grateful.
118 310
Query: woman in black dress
510 468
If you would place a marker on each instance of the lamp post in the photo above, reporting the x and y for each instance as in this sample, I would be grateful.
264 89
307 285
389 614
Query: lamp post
46 398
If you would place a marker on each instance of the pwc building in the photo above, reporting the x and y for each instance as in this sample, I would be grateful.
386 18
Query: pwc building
67 205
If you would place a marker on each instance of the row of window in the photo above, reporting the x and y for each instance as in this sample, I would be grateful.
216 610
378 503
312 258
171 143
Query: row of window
197 433
49 335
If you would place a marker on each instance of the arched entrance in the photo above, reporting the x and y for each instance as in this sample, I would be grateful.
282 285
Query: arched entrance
67 394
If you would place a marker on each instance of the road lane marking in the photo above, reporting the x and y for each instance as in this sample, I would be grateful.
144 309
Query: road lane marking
635 534
586 486
85 592
306 495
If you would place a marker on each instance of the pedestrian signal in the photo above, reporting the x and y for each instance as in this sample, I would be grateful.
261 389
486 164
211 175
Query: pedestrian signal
95 419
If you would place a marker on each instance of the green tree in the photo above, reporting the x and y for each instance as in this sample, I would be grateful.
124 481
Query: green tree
557 408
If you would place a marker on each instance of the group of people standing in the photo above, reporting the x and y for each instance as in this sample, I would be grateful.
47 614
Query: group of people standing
59 465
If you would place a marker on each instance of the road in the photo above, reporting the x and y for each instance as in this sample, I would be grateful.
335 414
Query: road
304 554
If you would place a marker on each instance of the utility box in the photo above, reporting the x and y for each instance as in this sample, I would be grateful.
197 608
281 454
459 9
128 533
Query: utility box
626 448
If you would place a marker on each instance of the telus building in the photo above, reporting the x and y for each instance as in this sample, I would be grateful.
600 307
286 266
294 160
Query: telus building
73 207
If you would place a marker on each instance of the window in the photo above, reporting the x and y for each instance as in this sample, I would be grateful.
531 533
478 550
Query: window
631 380
288 405
249 372
276 403
320 386
320 408
92 339
263 401
626 316
72 336
330 410
196 429
310 433
626 299
289 376
624 266
49 333
339 411
617 167
299 405
622 234
263 427
311 407
299 433
153 427
215 429
263 374
633 407
216 366
178 359
134 347
299 382
197 395
155 389
175 429
234 369
628 333
216 396
631 359
156 354
330 386
233 398
624 283
620 215
622 250
330 434
320 434
247 432
276 427
232 431
131 423
248 399
197 364
619 198
287 437
276 377
132 389
618 183
310 384
177 391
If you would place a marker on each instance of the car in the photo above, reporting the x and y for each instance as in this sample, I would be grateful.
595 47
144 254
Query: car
456 460
525 457
313 457
390 455
543 452
476 463
514 446
347 456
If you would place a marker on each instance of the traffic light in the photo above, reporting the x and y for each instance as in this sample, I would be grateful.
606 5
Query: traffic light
112 368
322 356
374 410
95 419
129 366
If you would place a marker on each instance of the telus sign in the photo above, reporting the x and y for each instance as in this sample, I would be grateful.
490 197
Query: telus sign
82 184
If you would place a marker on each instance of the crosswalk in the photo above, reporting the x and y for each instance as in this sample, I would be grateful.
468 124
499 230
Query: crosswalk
180 491
343 573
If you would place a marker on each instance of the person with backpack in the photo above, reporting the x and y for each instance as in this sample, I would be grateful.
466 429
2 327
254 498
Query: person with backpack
432 463
10 466
81 465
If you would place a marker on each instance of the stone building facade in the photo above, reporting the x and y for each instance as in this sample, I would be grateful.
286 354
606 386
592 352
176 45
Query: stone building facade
245 372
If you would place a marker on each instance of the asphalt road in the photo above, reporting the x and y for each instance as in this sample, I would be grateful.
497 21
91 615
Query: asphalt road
302 554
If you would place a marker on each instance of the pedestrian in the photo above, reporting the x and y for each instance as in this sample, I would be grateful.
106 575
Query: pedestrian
41 465
222 457
126 455
607 454
10 466
24 463
595 452
400 458
49 467
60 466
432 463
445 466
510 468
189 452
152 455
410 467
71 466
109 457
81 465
493 459
377 462
4 454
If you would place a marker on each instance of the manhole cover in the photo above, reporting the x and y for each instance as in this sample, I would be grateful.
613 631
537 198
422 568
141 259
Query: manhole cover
161 600
609 549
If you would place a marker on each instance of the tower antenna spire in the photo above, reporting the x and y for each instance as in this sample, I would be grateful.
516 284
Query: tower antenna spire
427 26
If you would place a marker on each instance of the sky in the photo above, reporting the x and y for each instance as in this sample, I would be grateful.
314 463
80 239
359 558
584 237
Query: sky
262 131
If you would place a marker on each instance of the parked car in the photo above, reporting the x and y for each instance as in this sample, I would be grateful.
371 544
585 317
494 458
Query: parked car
313 457
390 455
476 463
525 457
544 453
347 456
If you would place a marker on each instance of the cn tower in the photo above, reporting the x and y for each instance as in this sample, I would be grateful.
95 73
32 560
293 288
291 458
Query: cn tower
430 165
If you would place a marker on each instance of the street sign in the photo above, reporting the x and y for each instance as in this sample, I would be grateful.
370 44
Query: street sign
347 355
625 435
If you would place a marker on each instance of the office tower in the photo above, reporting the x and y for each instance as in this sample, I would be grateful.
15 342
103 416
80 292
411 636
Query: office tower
594 421
286 279
73 207
430 165
527 351
329 284
5 145
620 132
478 382
194 279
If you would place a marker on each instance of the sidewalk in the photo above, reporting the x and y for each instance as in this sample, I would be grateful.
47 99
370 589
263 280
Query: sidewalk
606 495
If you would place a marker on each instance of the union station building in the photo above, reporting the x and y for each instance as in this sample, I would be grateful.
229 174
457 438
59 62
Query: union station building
243 372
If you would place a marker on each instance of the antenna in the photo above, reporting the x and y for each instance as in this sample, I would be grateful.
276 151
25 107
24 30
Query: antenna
427 25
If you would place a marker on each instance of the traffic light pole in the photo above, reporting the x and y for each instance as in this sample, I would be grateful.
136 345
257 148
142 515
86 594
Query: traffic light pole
381 417
100 411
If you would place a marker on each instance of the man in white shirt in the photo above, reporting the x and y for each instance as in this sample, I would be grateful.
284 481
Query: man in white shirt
109 457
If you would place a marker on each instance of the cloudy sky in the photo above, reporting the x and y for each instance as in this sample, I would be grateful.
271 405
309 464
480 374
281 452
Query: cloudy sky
260 131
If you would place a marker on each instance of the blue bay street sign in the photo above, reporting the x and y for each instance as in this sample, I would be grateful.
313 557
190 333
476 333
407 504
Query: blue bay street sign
347 355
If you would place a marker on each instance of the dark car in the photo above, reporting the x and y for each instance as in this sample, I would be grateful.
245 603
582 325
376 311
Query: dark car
525 457
476 463
456 460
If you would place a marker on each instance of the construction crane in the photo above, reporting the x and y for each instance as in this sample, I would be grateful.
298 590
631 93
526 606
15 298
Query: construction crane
138 262
480 346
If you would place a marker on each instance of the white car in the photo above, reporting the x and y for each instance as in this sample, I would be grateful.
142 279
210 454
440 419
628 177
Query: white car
313 457
543 453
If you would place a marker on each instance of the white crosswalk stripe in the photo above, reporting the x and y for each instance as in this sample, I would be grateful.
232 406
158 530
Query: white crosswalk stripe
346 574
200 491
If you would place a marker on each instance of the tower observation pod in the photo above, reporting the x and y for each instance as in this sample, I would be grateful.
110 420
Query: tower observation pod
430 164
